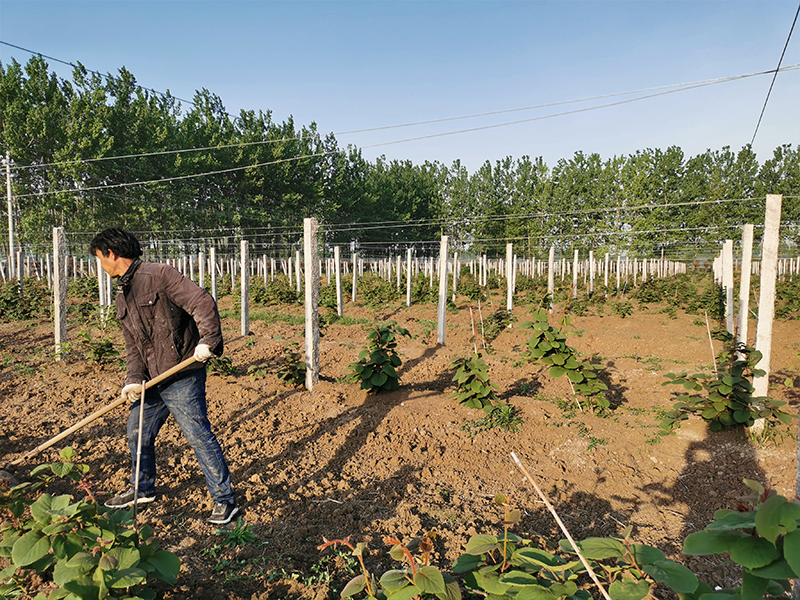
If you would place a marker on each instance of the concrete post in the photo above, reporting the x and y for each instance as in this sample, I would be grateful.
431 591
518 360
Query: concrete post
59 289
311 255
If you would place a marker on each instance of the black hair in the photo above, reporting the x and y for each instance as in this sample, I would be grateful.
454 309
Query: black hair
122 243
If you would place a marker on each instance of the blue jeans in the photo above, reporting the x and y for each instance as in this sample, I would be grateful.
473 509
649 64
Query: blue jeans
185 399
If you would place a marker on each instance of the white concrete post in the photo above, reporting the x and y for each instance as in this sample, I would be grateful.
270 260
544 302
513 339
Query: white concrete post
213 271
355 274
727 283
744 283
337 260
575 275
509 277
408 277
440 327
551 274
297 270
59 289
245 287
311 252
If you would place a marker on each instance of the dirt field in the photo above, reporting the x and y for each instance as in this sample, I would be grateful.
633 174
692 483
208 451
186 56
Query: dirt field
337 462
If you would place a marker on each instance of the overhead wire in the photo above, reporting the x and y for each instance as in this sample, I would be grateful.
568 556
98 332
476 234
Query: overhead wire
775 76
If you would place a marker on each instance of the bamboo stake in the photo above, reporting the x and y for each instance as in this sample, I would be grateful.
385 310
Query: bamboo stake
711 343
563 527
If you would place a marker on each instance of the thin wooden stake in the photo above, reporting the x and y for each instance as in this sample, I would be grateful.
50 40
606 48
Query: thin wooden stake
474 333
711 343
563 527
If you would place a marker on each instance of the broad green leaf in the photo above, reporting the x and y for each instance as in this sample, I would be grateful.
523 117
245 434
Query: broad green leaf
732 520
488 582
466 562
770 518
125 578
29 548
394 580
378 379
481 544
557 372
629 589
429 580
406 593
600 548
452 589
791 550
753 552
673 574
533 592
706 542
643 554
753 588
567 588
519 578
779 569
354 586
167 565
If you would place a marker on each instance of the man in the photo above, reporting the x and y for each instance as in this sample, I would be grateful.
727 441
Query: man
166 319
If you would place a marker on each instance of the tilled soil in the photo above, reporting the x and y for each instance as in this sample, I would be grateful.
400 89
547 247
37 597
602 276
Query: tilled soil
337 462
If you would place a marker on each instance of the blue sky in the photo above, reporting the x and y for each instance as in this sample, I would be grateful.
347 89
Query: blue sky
366 64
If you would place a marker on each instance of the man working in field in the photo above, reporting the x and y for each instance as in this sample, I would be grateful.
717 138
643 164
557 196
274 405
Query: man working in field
166 318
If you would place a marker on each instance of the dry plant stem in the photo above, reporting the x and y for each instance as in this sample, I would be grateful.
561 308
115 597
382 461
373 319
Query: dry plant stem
563 527
711 343
474 333
483 333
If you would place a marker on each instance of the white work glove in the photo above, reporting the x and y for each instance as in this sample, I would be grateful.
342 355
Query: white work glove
202 353
132 391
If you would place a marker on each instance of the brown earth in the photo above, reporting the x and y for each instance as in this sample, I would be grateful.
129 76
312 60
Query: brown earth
337 462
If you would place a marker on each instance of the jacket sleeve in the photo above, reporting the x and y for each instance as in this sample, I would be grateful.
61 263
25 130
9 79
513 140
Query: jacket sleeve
198 303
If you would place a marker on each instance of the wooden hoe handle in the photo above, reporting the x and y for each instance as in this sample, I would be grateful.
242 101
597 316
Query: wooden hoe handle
99 413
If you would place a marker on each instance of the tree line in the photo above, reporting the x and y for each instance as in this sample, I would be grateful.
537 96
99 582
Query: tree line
98 151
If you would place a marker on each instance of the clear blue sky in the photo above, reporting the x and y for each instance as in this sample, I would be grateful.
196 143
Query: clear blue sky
364 64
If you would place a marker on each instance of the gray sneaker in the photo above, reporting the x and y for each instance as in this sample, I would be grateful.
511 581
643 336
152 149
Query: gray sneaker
125 499
223 513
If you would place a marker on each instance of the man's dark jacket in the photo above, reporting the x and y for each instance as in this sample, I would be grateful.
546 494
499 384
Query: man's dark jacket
164 316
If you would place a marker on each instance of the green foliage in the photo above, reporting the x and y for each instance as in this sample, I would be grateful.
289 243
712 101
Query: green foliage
496 322
473 388
416 579
34 301
293 369
622 308
507 566
375 291
327 297
88 551
548 345
502 416
729 397
220 365
279 291
468 286
422 290
83 287
763 539
787 296
239 535
377 363
98 351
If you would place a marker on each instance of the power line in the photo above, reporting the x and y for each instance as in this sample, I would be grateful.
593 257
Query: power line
775 76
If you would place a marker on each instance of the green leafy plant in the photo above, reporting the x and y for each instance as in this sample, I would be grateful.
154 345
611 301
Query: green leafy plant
293 369
257 372
377 363
502 416
33 302
473 388
763 537
508 566
728 399
496 322
417 579
279 291
87 551
221 365
548 345
422 290
622 309
376 292
239 535
99 351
